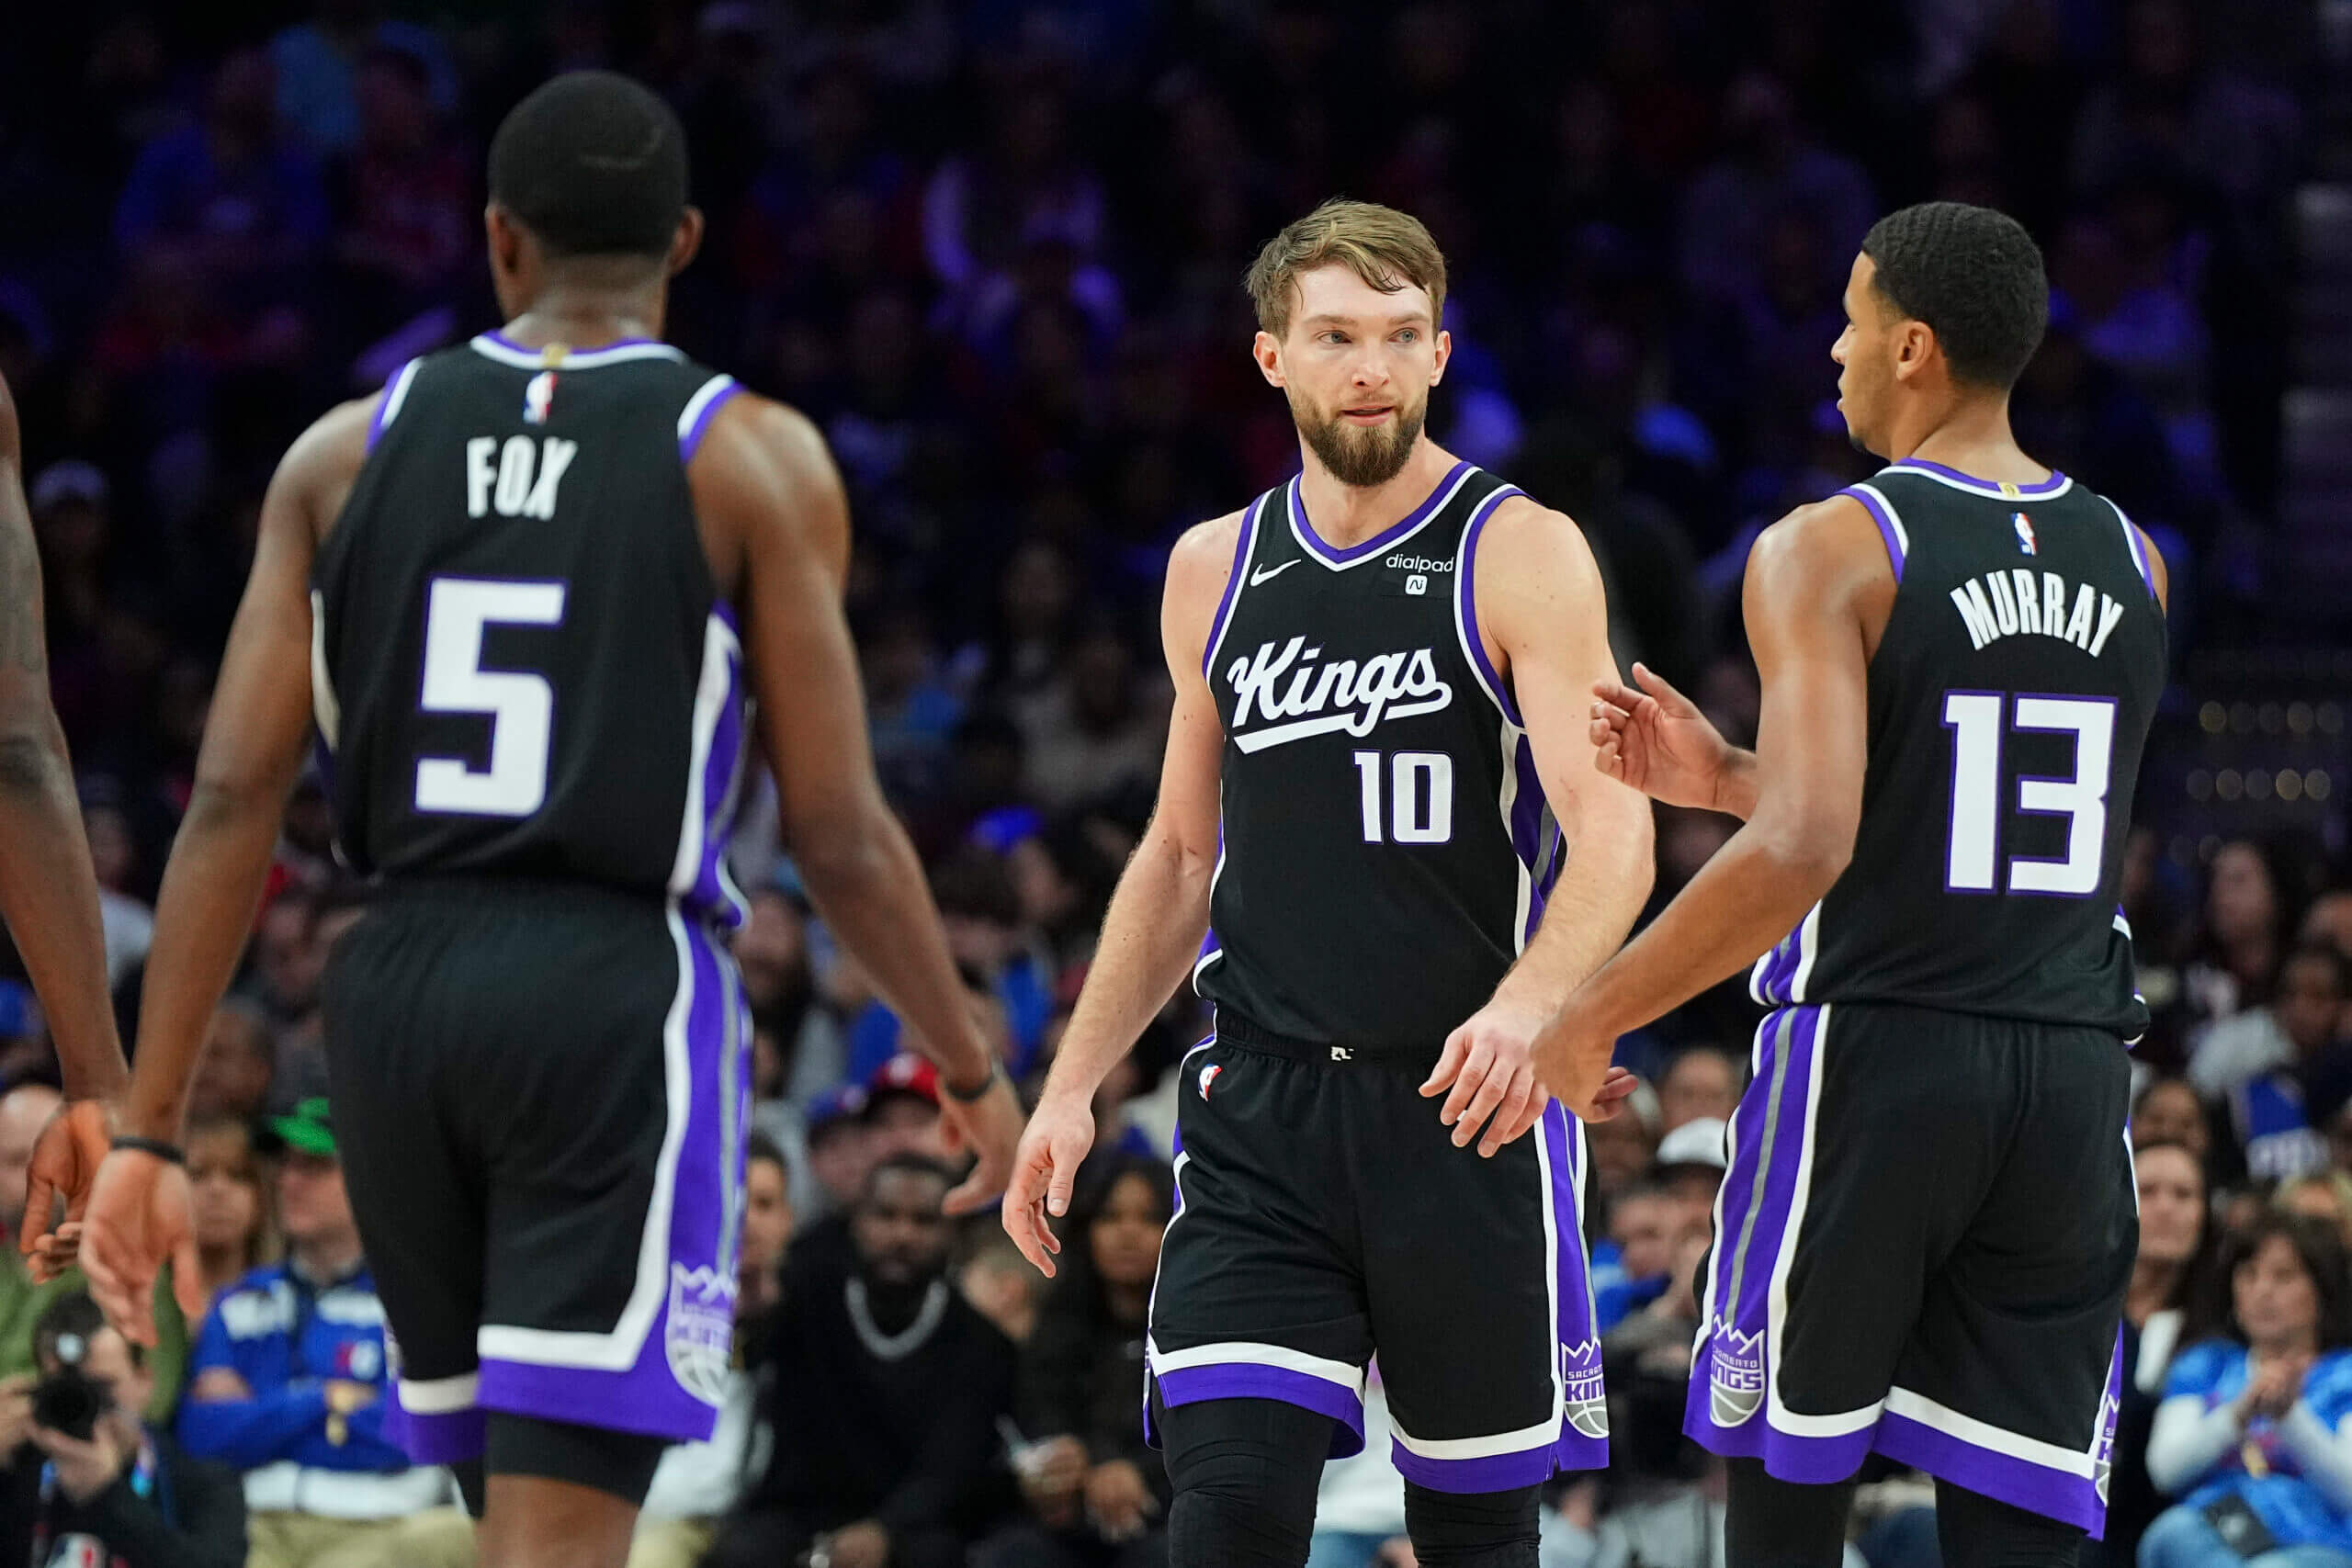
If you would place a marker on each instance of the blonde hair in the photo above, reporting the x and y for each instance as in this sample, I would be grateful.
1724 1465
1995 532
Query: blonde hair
1388 249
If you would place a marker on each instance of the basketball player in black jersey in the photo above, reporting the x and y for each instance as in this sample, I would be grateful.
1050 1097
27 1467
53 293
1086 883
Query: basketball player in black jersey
1924 1238
1376 766
48 892
523 591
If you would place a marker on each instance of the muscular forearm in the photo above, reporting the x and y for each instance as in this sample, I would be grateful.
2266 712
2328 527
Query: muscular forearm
49 898
1745 898
867 884
1150 937
202 916
1591 907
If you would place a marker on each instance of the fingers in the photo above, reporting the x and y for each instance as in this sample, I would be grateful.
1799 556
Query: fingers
977 1190
1065 1174
1663 690
1616 1084
1497 1089
953 1137
121 1293
1515 1115
1475 1064
40 1197
187 1278
1449 1062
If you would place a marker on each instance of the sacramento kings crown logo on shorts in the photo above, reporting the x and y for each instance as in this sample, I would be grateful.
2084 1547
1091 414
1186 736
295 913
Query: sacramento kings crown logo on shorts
1736 1375
1587 1401
700 1337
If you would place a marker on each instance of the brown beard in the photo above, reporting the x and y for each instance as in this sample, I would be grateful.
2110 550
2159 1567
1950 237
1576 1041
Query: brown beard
1357 457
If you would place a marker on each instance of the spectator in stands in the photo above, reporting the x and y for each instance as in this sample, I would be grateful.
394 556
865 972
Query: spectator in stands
2280 1067
287 1386
1700 1081
2235 956
1096 1491
1630 1268
2322 1195
87 1480
1691 1161
129 923
884 1390
1620 1148
2247 1436
2328 921
404 195
841 1148
24 1112
231 1205
2173 1302
999 1282
2168 1111
237 1066
767 1226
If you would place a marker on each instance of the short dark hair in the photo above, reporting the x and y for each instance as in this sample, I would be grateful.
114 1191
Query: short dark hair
2319 1248
593 163
759 1147
908 1163
2323 952
1973 276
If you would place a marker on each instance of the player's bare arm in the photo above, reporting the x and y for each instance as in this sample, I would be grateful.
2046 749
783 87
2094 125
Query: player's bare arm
252 750
1648 735
1541 607
1817 581
48 892
765 486
1158 914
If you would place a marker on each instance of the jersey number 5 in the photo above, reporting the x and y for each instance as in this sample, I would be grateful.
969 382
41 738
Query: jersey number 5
519 705
1975 721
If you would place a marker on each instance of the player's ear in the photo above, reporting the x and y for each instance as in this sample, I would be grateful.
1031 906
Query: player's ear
1267 350
686 241
1445 353
1915 345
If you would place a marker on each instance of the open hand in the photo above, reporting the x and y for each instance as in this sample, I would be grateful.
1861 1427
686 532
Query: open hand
136 1221
65 1162
990 1128
1652 738
1044 1171
1487 1075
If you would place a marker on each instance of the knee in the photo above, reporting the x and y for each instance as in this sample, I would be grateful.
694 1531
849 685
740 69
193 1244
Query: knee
1472 1529
2174 1538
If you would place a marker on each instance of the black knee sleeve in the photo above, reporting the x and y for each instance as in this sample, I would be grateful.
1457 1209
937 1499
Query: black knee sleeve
1771 1523
1977 1531
619 1463
1472 1529
1244 1472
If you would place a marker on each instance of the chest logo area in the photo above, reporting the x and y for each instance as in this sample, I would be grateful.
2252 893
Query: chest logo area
1287 693
2024 526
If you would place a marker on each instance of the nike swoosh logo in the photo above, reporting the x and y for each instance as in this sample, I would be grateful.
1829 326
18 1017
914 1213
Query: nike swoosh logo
1263 574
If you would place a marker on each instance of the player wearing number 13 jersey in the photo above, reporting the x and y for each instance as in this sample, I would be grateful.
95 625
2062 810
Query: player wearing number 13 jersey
1927 1225
1382 852
528 592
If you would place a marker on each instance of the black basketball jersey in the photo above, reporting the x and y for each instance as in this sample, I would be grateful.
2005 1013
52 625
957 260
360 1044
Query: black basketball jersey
520 664
1382 852
2009 699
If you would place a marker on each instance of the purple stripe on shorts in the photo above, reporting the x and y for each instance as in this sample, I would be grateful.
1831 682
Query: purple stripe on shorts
450 1436
1379 541
1489 1472
2018 1482
1242 549
691 441
674 1388
1583 1442
1247 1380
1885 527
1809 1462
1465 589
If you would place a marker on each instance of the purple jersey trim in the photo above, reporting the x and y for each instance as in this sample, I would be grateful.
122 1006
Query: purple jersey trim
1466 594
1894 552
2055 482
388 407
1333 554
1241 551
692 440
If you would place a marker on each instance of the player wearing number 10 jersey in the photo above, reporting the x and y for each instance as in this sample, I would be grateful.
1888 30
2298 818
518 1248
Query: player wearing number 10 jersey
529 590
1928 1221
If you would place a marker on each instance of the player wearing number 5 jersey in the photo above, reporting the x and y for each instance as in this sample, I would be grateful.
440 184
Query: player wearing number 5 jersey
1928 1221
1381 851
527 591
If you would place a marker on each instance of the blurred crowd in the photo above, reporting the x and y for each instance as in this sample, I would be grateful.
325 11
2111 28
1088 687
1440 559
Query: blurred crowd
995 250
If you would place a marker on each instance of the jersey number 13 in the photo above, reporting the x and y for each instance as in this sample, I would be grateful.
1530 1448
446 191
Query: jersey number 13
1972 859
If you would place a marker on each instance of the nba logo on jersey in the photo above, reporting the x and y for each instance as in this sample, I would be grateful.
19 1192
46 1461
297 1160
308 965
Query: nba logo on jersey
2025 533
1208 1077
537 397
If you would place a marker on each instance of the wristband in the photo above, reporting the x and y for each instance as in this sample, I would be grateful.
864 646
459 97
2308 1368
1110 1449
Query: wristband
996 1071
170 1152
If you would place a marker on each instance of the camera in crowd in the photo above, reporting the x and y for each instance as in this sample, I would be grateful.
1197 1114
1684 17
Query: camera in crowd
69 1399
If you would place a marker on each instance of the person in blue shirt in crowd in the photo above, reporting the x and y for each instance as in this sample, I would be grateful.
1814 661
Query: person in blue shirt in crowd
2254 1433
288 1382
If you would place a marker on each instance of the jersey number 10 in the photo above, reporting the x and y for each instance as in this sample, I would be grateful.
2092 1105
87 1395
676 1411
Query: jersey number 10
1973 855
1420 797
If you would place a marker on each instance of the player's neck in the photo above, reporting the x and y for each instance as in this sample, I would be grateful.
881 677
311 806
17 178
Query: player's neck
1971 436
1346 515
587 318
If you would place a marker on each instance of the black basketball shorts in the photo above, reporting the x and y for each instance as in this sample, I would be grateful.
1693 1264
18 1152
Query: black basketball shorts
1324 1215
540 1095
1921 1250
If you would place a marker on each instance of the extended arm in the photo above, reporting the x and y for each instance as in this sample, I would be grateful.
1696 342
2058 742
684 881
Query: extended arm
764 474
1806 581
1159 913
2188 1440
1540 598
48 892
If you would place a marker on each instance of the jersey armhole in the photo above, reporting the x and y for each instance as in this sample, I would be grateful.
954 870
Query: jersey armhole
1889 524
2139 548
388 408
1465 605
694 419
1244 548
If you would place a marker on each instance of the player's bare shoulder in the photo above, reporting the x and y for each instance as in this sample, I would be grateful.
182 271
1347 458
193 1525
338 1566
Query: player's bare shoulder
324 463
1200 569
1830 554
762 475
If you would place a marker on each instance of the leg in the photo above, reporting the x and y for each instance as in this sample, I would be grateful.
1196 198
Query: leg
1246 1472
562 1496
2181 1537
1472 1529
1977 1531
437 1537
1771 1523
671 1543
